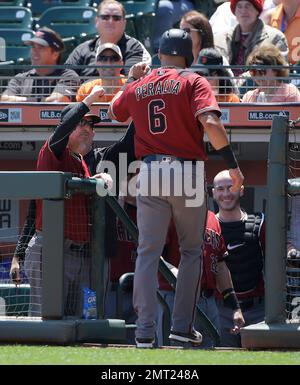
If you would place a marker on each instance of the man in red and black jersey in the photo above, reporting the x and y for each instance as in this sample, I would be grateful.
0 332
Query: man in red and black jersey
215 276
64 151
244 235
171 109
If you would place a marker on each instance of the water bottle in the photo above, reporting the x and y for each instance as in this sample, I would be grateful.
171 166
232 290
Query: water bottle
89 304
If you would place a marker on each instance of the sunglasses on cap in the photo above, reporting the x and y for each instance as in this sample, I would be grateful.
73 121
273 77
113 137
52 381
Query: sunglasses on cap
189 30
86 122
258 72
105 59
108 17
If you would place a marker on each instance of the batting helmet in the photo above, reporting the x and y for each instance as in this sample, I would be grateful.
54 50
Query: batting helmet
177 42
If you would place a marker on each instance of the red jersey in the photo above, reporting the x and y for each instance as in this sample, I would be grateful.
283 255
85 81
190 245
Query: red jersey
76 208
124 261
164 107
214 249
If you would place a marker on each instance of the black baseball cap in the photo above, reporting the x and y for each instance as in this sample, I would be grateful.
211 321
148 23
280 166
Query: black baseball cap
93 117
47 38
210 57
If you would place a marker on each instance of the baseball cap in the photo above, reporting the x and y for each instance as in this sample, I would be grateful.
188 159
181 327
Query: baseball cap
95 118
209 57
47 38
111 46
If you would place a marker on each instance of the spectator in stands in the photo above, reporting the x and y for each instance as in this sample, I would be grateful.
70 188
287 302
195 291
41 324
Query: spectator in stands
244 236
237 44
197 25
168 13
286 18
219 77
223 19
62 84
110 78
110 24
272 86
293 235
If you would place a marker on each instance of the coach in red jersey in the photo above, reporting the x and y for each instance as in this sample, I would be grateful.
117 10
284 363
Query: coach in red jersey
171 108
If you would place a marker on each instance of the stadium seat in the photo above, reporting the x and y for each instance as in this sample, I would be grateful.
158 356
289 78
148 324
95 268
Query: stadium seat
12 45
40 6
13 3
78 22
15 17
142 14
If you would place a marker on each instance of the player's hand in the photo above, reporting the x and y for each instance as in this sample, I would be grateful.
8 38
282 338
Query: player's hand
293 254
237 179
106 178
94 96
238 321
139 70
15 271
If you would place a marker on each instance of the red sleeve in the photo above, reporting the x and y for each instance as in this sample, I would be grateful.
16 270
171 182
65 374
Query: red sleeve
47 161
120 105
203 98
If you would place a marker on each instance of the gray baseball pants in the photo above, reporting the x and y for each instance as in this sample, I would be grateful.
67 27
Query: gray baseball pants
155 207
76 275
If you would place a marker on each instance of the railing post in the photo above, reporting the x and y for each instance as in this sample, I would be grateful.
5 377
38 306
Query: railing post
275 290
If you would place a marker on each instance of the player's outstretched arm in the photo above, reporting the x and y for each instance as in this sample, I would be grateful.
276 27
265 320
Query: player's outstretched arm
218 138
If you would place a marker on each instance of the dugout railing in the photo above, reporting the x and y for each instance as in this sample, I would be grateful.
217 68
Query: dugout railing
53 327
278 331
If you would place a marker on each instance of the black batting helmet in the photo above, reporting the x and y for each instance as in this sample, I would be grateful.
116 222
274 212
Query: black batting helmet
177 42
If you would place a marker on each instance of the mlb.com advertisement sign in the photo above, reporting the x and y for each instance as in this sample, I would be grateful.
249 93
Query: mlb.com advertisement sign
10 115
266 115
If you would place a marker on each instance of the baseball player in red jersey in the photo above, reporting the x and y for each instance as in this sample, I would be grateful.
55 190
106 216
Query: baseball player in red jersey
215 276
171 108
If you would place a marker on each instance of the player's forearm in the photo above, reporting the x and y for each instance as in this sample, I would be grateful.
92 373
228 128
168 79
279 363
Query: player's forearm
13 98
223 277
215 131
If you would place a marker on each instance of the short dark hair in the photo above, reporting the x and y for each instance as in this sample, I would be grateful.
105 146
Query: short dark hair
105 2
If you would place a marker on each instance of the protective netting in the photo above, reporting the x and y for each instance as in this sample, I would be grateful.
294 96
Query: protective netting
293 239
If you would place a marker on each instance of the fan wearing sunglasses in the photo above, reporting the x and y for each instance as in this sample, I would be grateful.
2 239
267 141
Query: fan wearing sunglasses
110 24
197 26
110 63
269 71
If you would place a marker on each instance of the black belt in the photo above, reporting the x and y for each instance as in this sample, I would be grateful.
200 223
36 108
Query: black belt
78 247
248 303
207 293
167 158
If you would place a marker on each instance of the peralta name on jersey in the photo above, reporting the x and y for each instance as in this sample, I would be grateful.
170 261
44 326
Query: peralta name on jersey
159 88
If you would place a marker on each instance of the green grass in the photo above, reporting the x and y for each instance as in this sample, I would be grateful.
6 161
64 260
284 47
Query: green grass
77 355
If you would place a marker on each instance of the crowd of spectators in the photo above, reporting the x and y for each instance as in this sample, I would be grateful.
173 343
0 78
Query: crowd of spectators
234 34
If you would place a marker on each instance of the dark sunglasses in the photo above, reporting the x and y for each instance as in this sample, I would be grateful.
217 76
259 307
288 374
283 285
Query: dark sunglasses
188 29
258 72
105 59
108 17
86 122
